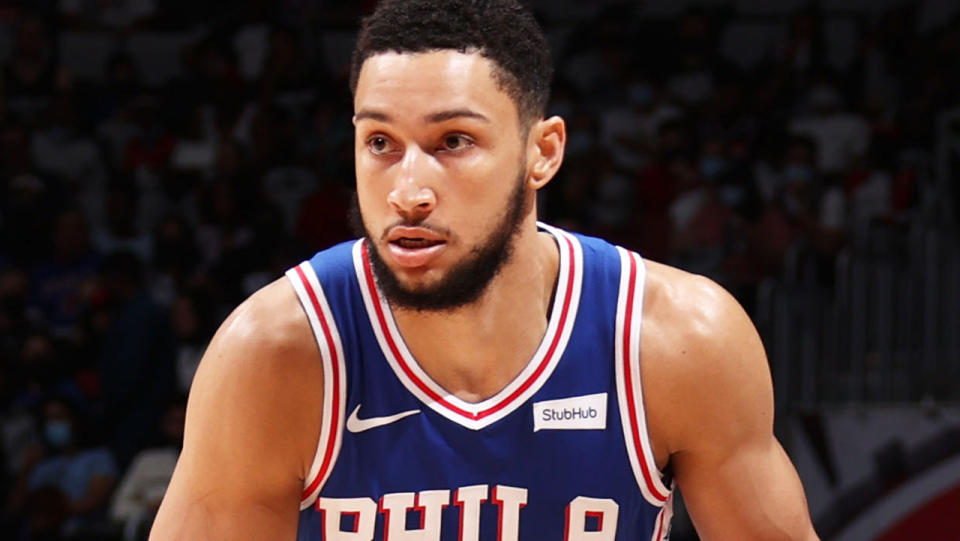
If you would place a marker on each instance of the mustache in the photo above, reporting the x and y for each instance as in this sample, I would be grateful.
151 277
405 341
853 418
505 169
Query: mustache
359 229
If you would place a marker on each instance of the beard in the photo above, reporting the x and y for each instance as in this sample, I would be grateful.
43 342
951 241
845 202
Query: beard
466 281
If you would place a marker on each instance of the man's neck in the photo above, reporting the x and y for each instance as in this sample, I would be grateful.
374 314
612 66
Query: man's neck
476 350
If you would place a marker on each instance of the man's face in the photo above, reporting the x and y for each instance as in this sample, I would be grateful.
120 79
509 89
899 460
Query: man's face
441 175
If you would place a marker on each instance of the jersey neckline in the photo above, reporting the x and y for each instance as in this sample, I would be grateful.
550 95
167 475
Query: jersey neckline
537 371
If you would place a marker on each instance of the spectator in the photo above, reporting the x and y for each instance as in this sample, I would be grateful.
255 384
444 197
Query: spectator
74 477
841 137
698 217
176 258
30 76
120 231
623 130
225 227
148 150
816 205
869 190
41 368
136 361
192 325
143 486
288 187
63 149
13 303
695 83
322 217
61 285
114 107
123 81
804 51
115 14
27 198
287 82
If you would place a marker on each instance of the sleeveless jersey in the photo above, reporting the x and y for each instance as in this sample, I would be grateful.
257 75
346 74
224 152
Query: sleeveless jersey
562 452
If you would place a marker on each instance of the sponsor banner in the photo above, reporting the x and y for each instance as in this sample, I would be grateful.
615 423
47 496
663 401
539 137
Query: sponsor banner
588 412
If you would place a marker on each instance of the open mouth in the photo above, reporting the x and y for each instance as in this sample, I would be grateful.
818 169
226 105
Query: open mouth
414 247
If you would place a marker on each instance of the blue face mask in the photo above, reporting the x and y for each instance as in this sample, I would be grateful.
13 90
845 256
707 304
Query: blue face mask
58 433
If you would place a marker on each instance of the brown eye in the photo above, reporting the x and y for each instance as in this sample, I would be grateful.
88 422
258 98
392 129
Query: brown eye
455 142
378 144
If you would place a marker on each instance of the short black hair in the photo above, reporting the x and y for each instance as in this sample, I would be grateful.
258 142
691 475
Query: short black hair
503 31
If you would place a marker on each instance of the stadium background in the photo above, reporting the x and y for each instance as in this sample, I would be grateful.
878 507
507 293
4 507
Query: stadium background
162 159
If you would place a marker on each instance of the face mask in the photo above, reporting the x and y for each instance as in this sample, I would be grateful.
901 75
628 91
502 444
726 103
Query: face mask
58 433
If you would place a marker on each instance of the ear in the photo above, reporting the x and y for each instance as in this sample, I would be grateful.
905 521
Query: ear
546 142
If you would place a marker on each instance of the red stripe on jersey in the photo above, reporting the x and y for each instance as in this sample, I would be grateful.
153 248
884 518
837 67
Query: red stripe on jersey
386 519
553 344
628 377
381 319
335 407
662 514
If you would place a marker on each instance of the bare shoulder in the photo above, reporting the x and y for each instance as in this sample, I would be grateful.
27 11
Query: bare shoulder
703 362
265 349
709 403
691 307
253 420
269 334
264 359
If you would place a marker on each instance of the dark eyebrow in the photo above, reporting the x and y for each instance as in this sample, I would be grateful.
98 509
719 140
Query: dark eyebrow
432 118
373 115
443 116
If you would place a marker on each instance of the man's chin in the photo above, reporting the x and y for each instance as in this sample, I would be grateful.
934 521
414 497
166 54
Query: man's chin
415 282
413 279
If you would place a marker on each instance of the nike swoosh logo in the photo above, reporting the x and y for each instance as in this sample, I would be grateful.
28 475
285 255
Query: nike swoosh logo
356 424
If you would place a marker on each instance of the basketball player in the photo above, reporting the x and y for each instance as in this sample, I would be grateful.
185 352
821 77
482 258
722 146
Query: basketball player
464 372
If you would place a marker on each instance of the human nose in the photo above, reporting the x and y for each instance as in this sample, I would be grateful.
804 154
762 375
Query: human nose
412 196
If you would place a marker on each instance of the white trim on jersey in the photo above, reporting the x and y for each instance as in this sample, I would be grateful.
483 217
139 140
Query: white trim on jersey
661 531
629 386
476 416
324 327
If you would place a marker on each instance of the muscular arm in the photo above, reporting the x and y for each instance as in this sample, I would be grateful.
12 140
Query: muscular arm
711 399
253 419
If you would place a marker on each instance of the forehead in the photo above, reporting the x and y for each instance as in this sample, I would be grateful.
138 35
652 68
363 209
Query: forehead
425 83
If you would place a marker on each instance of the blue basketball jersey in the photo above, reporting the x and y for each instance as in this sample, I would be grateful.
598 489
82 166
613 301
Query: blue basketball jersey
562 452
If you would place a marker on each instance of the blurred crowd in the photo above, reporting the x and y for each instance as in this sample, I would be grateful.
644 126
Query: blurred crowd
135 214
